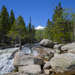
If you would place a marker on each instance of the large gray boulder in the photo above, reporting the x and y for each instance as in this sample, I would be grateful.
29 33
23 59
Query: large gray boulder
25 63
63 62
68 46
21 59
46 43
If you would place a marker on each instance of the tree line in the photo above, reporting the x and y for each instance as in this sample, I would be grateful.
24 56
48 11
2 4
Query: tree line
14 30
62 27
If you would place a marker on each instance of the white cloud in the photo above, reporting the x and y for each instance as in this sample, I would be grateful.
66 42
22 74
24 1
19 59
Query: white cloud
39 27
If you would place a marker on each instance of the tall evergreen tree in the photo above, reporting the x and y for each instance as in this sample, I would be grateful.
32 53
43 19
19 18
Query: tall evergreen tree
4 23
21 28
61 30
30 26
58 30
58 12
13 34
11 18
29 35
33 33
48 29
59 24
18 30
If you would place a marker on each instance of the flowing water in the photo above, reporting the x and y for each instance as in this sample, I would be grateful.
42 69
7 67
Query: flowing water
6 58
6 64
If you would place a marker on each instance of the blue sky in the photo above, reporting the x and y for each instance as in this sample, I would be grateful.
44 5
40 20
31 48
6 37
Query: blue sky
39 10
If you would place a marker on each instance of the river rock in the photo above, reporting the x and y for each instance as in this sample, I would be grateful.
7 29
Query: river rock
47 43
12 73
58 46
47 65
22 73
71 51
22 60
31 69
63 62
17 73
39 61
42 52
68 46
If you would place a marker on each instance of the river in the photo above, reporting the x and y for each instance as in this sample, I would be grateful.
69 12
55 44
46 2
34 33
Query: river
6 64
6 58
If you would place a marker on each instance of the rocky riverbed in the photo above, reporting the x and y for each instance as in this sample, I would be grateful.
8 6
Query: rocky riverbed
45 58
6 60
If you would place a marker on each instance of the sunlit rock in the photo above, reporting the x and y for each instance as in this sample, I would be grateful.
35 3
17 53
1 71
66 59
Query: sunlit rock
63 62
32 69
21 59
46 43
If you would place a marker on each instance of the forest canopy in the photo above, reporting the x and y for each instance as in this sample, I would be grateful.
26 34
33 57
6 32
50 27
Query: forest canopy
14 30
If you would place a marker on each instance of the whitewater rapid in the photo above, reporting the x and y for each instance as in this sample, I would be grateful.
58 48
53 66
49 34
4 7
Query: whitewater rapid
7 59
6 63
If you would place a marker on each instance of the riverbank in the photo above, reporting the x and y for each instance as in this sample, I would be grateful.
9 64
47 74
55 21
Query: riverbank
45 58
6 60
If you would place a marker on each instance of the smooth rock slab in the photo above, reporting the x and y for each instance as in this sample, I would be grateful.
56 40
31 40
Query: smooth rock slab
17 73
22 60
12 73
68 46
32 69
63 62
22 73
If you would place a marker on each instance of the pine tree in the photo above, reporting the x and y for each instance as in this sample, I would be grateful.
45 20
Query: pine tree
11 18
21 28
33 33
13 34
4 23
48 29
73 26
29 35
58 30
62 29
30 26
0 28
18 30
58 12
59 25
